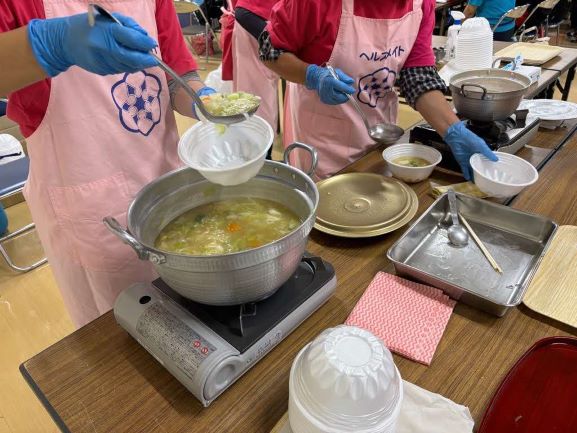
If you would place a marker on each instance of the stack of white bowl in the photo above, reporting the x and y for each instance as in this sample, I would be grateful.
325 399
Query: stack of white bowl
344 381
474 46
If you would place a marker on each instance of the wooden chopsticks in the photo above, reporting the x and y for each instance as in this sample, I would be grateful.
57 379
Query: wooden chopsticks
481 245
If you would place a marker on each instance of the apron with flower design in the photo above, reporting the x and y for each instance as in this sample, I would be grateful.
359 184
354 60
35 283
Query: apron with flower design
101 140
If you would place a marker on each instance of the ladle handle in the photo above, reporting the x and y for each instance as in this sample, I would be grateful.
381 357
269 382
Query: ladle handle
453 206
351 99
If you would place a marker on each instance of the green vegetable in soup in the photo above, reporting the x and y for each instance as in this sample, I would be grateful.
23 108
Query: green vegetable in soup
227 226
411 161
228 104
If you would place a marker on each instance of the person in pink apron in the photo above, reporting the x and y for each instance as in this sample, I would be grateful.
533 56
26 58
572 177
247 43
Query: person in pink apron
373 45
94 140
249 73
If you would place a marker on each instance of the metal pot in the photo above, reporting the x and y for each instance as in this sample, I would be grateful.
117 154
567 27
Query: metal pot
228 279
488 94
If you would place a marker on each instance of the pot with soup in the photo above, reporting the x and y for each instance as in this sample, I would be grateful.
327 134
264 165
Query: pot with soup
223 245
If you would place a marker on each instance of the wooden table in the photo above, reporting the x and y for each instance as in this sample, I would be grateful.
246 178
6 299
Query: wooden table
99 380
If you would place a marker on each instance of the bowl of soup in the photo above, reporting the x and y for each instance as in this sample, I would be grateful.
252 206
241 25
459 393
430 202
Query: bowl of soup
411 162
222 245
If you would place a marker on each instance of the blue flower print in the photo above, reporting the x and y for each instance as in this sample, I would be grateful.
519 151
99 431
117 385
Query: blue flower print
137 97
375 86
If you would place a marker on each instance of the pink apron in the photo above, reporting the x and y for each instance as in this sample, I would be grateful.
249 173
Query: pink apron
372 52
102 139
252 76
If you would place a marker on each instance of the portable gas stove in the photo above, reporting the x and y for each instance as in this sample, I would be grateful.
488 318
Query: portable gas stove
509 135
208 348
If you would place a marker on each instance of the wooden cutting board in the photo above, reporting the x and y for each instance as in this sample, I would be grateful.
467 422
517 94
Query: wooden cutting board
553 290
533 54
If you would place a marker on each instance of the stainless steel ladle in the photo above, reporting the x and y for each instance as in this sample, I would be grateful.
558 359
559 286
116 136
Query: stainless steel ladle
458 236
225 120
382 133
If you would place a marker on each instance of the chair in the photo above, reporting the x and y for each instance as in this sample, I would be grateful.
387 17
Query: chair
190 7
546 7
13 176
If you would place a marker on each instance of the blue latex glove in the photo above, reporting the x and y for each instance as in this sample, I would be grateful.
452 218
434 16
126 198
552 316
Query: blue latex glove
104 49
202 92
464 144
330 90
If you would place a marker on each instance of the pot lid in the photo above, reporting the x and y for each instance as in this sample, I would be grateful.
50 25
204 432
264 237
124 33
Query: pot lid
364 205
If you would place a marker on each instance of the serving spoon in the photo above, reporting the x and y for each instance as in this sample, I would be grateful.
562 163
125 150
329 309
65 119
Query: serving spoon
93 9
382 133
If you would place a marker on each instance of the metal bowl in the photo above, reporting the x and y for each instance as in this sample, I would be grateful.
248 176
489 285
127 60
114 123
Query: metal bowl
488 94
227 279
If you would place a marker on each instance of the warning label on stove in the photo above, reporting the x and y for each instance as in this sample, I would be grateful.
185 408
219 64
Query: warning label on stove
176 340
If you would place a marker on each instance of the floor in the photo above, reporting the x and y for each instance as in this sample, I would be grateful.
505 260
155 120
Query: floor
32 315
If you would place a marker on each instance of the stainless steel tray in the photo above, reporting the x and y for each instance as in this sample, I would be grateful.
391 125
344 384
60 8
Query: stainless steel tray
517 240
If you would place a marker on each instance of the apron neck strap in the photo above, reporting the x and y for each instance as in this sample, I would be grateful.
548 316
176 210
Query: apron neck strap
349 6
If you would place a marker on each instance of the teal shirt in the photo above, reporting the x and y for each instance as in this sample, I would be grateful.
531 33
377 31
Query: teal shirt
493 10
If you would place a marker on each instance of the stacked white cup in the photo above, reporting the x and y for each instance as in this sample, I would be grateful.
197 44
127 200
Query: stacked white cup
344 381
474 46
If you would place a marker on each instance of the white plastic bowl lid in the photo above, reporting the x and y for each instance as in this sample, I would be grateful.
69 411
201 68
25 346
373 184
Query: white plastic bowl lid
510 170
213 148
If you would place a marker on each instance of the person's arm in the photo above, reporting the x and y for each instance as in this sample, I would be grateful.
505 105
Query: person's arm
46 48
181 101
436 111
17 62
470 11
289 67
423 89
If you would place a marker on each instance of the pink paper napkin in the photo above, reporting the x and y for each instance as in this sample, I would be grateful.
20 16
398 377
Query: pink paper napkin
409 317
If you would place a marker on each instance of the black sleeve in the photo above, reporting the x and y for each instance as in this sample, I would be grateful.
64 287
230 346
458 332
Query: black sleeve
251 22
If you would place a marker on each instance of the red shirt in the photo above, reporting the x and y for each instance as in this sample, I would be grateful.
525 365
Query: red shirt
262 8
308 28
28 106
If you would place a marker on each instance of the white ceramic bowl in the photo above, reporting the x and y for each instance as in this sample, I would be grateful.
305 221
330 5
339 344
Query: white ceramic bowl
411 174
504 178
227 155
344 381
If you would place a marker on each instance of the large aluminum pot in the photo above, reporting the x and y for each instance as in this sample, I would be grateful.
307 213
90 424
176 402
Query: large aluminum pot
228 279
488 94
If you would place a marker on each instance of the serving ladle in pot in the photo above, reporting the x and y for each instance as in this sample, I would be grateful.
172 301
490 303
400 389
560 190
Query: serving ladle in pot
382 133
224 120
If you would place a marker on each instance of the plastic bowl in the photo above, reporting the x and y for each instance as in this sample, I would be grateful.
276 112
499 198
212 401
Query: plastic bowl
228 155
345 381
504 178
411 174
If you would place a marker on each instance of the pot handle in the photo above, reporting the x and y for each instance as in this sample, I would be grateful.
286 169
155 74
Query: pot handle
143 253
309 149
498 61
477 86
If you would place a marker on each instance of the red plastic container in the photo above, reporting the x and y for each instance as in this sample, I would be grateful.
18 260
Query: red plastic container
539 394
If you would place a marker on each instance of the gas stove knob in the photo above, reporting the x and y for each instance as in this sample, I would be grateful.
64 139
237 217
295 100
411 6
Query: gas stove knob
221 376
